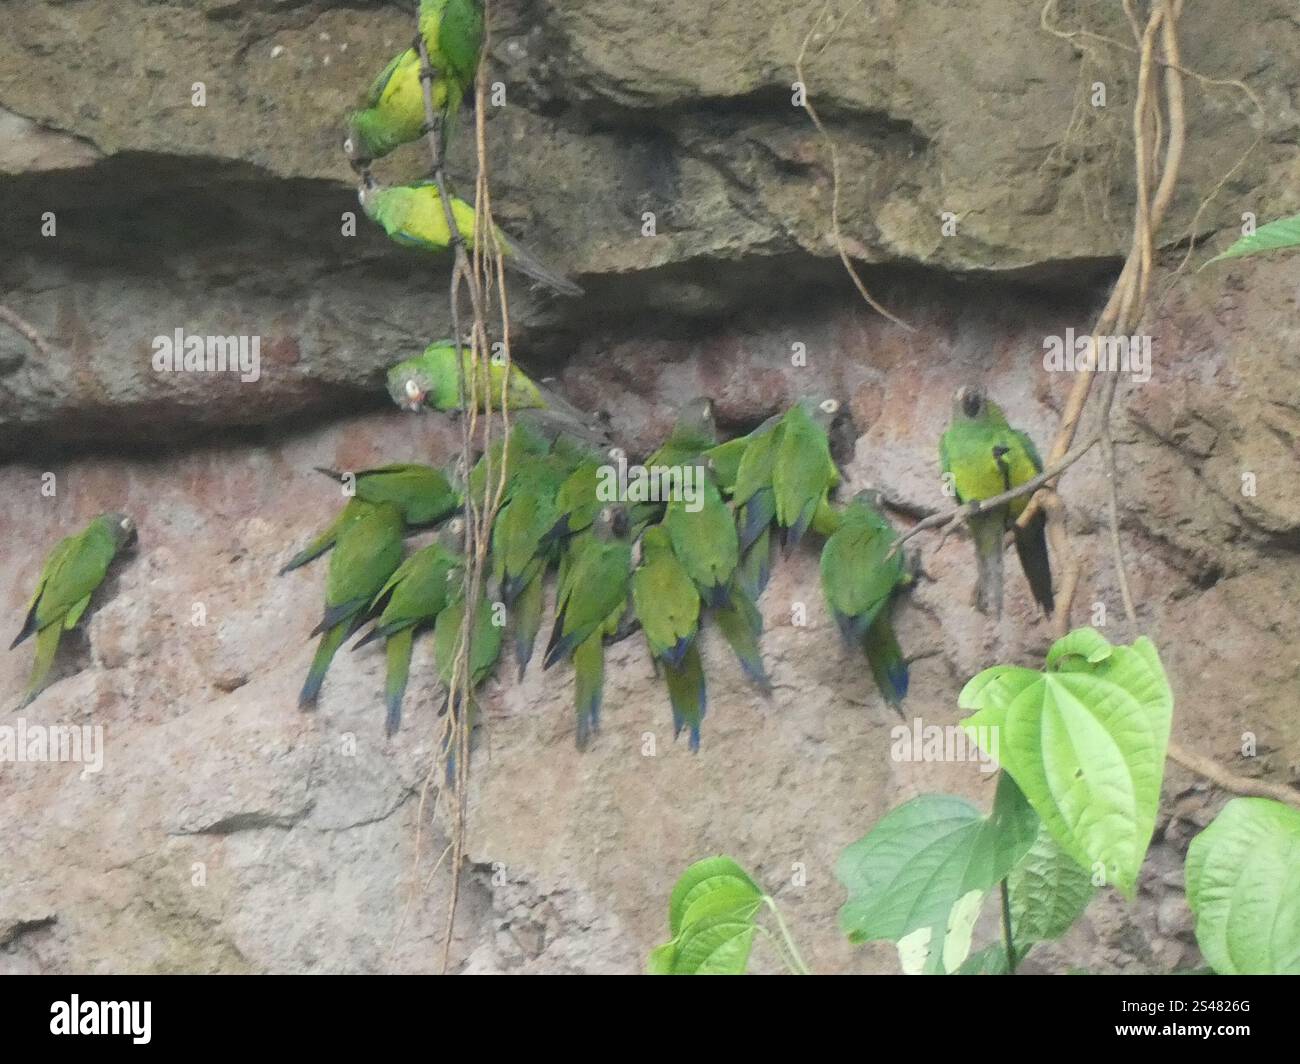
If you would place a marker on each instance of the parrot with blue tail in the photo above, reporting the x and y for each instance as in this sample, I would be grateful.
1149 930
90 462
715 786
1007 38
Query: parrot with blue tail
368 550
667 604
412 598
860 577
590 605
803 471
984 456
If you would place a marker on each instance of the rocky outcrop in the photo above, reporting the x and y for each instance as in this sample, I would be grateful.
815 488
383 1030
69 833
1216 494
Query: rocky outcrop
229 832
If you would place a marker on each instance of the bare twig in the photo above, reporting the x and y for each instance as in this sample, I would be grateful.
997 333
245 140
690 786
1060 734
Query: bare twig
836 236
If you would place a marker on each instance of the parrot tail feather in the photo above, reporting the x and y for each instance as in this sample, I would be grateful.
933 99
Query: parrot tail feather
47 646
888 666
527 264
988 533
333 474
29 625
337 614
329 644
1031 546
588 686
688 694
756 515
398 652
796 531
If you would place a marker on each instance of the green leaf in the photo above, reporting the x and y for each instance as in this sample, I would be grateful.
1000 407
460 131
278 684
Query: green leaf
662 959
1275 236
716 884
991 960
910 870
1243 885
1086 745
1086 643
1049 891
715 945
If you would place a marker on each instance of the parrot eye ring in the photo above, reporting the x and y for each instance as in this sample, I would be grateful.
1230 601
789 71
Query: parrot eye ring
830 406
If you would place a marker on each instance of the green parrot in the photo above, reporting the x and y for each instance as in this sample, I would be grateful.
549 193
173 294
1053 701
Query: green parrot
668 607
416 593
984 457
392 111
73 570
423 494
591 601
485 643
432 380
521 549
803 472
859 579
704 539
368 550
412 215
755 503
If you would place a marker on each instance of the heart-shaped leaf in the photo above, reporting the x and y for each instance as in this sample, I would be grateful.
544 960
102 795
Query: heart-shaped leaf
1243 884
1086 743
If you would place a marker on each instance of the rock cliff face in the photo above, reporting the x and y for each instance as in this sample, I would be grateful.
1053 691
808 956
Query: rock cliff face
227 831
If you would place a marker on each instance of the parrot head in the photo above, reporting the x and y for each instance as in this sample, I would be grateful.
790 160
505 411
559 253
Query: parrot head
696 418
368 192
872 497
122 529
969 402
409 383
356 145
612 523
452 537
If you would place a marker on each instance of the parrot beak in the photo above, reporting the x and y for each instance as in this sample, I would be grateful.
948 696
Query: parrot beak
414 396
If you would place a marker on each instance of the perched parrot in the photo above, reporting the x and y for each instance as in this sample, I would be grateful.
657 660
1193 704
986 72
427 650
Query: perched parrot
422 493
756 505
368 550
416 593
432 380
413 216
522 549
859 580
668 607
392 111
590 604
984 457
705 540
803 471
485 648
74 569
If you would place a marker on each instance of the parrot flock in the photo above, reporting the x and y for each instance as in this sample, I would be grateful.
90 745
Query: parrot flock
668 564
